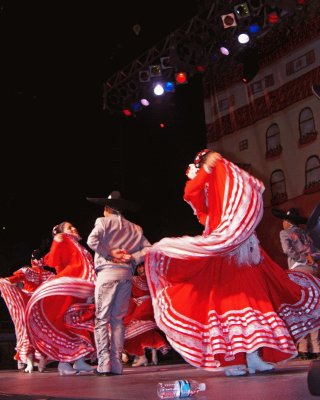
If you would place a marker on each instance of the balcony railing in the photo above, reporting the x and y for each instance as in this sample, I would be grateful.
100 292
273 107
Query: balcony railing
308 137
275 151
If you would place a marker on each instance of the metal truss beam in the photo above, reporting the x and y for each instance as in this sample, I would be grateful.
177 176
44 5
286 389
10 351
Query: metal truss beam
194 43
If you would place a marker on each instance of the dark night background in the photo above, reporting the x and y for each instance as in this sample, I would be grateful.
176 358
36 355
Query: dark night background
59 146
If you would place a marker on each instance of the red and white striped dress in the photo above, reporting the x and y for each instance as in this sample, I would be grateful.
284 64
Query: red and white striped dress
219 295
141 331
16 298
59 319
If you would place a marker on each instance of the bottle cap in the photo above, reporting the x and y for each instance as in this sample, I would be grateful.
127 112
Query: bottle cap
202 387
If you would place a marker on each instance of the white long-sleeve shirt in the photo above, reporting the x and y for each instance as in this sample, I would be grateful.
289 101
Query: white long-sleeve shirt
114 232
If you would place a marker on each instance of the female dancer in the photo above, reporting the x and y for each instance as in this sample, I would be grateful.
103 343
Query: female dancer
219 298
60 313
141 331
16 291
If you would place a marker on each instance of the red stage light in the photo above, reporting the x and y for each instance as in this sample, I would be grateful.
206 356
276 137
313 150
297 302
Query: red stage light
127 112
181 78
200 68
273 17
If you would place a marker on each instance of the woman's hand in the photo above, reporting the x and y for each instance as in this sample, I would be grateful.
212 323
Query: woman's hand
211 159
58 237
120 255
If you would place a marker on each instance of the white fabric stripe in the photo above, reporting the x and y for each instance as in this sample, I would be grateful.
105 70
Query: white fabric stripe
231 231
137 327
16 307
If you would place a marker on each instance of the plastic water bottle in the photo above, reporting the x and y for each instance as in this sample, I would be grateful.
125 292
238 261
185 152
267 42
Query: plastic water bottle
179 389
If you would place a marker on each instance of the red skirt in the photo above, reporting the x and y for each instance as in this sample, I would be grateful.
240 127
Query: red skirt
141 331
213 310
60 322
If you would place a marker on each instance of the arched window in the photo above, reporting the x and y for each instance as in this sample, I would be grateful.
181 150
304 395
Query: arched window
312 174
273 145
307 129
278 187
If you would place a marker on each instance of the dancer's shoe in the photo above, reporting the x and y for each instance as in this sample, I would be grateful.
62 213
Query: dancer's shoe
21 366
81 365
29 367
42 364
154 357
65 368
140 361
255 363
235 370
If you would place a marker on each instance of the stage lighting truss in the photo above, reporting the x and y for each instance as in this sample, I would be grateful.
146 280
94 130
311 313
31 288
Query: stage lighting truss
194 47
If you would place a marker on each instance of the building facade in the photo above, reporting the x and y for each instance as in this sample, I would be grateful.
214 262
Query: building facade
270 126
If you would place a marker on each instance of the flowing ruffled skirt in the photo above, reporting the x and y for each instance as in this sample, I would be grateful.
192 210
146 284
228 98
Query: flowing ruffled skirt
60 321
16 300
214 310
141 331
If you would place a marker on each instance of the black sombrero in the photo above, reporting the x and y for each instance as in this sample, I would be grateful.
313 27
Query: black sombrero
115 201
291 215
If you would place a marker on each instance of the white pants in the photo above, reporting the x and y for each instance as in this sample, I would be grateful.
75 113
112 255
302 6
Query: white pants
111 302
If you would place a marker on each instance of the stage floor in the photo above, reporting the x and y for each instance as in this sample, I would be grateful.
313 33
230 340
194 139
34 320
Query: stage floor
287 382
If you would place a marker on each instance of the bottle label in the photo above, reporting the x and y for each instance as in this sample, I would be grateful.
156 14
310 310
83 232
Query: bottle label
184 388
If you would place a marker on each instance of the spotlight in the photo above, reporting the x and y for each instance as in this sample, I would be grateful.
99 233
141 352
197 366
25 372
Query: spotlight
158 89
169 87
228 20
224 50
242 10
155 70
274 15
181 78
200 68
243 38
127 112
136 106
254 28
145 102
144 76
165 62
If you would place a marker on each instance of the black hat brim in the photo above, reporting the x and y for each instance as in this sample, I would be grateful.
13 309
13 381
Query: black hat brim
295 219
117 204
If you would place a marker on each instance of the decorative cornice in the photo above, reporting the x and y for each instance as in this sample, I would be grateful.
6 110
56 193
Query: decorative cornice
264 106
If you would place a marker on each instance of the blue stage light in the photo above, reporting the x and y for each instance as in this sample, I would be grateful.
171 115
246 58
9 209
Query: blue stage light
169 87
